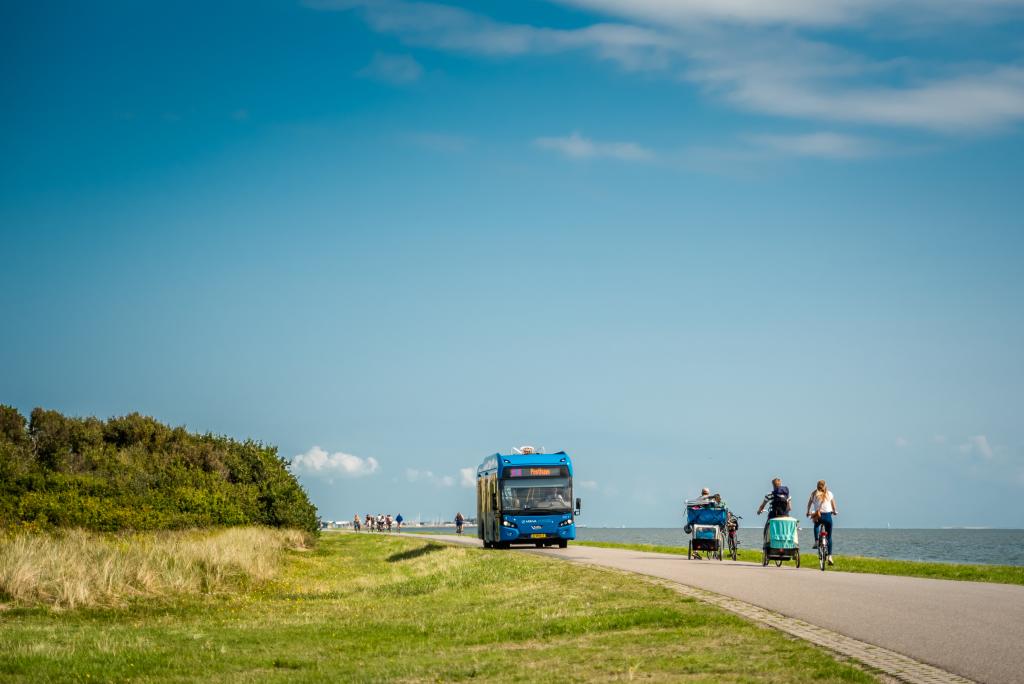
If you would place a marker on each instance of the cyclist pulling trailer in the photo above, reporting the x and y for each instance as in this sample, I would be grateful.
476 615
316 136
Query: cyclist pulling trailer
781 538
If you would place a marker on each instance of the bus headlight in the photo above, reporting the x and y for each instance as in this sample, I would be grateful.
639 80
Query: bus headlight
566 523
506 523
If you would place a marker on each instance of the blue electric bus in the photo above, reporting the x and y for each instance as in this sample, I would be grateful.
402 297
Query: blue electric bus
525 498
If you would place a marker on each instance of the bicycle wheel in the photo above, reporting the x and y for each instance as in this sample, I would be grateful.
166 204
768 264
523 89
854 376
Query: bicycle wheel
778 563
764 557
796 557
689 551
822 553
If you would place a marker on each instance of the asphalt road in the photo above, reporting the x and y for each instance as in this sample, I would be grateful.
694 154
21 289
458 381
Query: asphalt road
973 629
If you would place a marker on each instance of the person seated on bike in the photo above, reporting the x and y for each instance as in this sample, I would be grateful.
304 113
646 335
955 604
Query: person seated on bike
820 508
778 502
459 522
706 498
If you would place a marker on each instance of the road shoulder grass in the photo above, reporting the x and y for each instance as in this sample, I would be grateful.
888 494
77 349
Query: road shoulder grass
367 608
999 574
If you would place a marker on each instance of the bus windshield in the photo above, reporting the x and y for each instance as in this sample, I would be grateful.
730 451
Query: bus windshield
536 495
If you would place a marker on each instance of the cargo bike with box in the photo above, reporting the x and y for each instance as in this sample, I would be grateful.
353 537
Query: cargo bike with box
706 520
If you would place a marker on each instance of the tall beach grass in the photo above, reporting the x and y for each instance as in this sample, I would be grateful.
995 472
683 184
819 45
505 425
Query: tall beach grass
75 568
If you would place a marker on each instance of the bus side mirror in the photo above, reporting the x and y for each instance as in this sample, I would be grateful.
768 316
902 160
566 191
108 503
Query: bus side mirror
578 502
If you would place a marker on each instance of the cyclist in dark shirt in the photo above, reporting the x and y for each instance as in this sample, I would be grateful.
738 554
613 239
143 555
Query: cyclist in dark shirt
778 503
777 500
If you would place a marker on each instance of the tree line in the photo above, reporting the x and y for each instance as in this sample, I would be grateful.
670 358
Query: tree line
135 473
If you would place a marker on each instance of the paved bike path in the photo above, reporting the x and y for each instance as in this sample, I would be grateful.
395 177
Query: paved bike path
973 629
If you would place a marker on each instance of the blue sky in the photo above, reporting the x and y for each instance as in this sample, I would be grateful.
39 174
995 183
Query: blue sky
690 243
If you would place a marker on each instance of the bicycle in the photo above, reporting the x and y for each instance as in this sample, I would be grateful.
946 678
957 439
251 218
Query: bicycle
822 547
731 528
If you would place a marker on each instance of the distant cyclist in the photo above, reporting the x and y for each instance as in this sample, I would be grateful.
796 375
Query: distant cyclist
820 508
398 521
459 522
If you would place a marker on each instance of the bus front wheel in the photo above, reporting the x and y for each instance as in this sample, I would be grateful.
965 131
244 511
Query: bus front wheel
563 544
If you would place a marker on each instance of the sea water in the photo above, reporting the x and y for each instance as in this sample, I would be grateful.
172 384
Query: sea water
1000 547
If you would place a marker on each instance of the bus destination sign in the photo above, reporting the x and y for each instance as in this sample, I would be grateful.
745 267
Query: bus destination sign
535 471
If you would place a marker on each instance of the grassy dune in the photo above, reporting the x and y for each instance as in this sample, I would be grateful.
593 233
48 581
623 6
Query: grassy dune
370 608
76 568
1001 574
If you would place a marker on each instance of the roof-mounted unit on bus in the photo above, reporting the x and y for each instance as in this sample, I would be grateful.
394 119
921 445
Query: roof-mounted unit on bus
526 449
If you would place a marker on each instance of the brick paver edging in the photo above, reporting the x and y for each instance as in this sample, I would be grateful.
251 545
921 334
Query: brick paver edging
891 664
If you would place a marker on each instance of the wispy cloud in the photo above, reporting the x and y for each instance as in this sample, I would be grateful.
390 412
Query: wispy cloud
467 477
750 54
820 144
317 461
575 146
443 27
902 442
393 69
428 477
978 444
800 13
985 98
587 484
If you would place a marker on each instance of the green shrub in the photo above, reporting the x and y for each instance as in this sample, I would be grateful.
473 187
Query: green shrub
135 473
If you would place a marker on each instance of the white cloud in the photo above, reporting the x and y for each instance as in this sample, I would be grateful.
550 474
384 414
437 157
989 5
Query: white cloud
393 69
822 144
428 477
683 12
902 442
576 146
797 12
587 484
990 97
939 439
978 444
467 477
738 53
317 461
443 27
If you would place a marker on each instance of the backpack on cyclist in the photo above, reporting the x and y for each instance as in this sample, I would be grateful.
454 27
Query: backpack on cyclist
780 501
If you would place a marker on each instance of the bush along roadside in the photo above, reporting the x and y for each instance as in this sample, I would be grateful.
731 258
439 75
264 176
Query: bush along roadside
135 473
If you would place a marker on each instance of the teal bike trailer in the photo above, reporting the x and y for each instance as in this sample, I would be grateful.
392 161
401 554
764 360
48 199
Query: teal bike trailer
781 542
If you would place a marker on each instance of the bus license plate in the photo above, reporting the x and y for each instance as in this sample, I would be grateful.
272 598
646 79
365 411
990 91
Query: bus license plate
538 536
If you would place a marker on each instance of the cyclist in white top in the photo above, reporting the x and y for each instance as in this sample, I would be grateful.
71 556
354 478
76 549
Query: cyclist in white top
820 508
